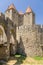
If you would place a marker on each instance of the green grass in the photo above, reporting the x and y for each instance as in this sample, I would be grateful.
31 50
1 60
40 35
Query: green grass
23 57
38 58
20 56
17 55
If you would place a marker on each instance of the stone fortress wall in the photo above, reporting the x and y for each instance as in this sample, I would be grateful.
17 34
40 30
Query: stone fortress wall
30 38
23 35
8 43
4 48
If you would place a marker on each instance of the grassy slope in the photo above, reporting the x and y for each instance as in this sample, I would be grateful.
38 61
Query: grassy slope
29 60
22 60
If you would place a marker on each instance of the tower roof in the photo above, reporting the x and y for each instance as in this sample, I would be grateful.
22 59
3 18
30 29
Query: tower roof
21 13
11 7
28 10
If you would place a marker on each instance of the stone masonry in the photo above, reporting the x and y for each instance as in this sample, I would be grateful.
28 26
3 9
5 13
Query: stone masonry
20 34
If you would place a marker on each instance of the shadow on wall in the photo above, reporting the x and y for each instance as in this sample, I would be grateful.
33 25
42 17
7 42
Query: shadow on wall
21 55
21 48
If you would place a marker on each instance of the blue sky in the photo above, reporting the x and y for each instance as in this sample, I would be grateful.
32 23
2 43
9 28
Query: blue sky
21 5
